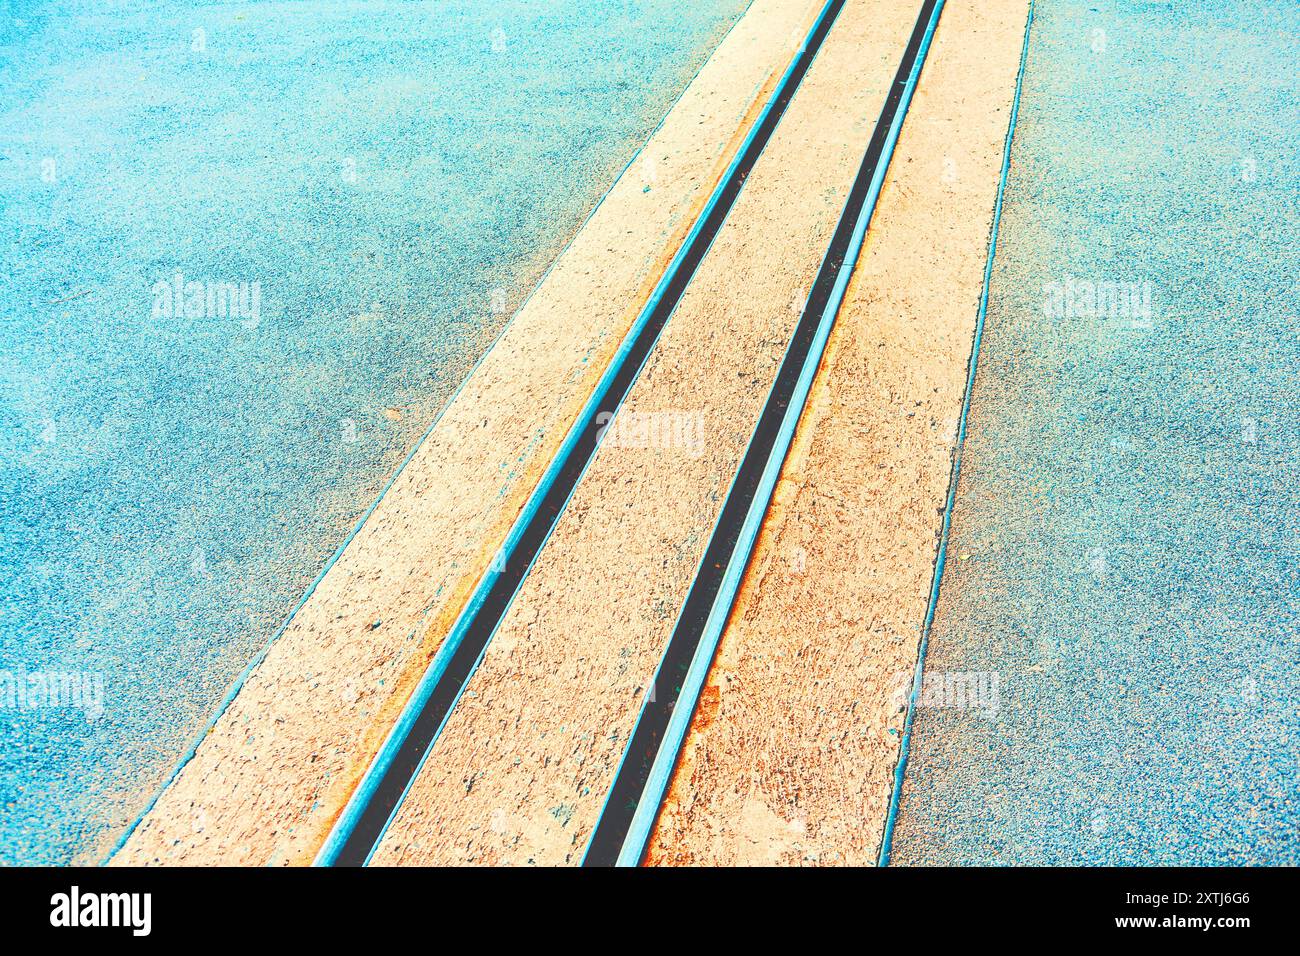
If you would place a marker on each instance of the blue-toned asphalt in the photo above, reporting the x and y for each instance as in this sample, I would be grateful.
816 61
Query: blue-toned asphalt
1125 545
396 176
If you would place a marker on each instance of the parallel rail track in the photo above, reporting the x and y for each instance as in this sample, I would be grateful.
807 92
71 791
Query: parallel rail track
378 796
633 801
